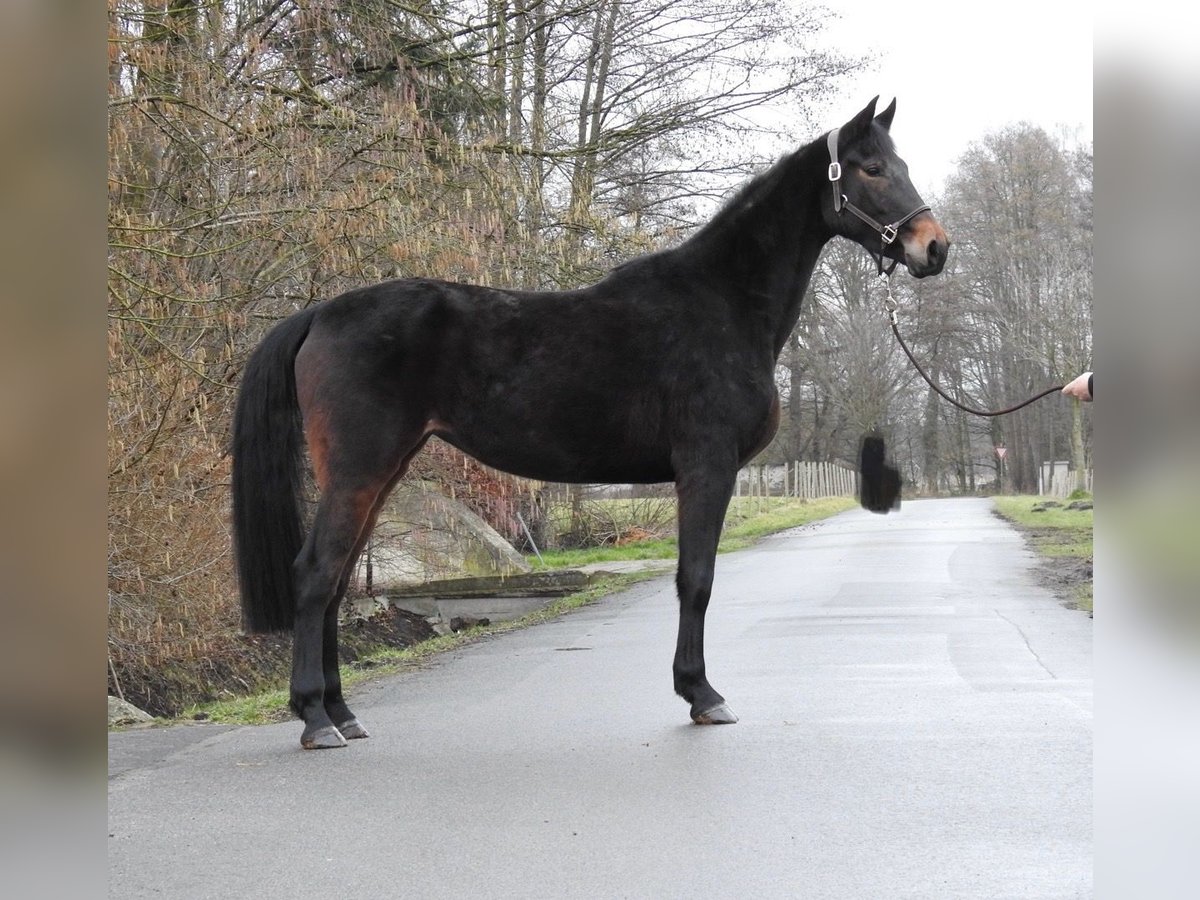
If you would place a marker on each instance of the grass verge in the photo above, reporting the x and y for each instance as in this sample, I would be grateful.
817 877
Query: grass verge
747 520
1063 537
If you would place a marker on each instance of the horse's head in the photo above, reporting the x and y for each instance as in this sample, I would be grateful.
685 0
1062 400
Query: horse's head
872 200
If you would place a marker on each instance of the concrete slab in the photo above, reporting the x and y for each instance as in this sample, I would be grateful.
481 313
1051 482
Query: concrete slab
497 609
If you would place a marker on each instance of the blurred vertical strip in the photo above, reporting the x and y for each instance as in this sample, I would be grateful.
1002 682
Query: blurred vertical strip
1147 571
52 397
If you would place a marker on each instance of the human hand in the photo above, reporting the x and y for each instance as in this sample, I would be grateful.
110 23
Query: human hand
1079 387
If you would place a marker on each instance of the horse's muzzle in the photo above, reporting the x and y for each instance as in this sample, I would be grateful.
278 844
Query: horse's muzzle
926 246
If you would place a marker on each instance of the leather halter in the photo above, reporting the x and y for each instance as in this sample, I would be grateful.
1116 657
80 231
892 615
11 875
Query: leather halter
887 233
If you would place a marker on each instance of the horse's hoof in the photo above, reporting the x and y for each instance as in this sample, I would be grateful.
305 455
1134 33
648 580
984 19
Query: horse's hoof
353 730
327 738
718 715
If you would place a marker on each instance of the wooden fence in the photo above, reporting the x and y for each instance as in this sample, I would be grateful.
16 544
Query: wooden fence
798 479
1055 479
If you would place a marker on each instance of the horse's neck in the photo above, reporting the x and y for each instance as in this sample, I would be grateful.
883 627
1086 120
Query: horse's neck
766 251
792 292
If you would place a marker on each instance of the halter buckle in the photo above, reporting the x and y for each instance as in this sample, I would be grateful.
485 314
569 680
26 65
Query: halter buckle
889 302
889 234
835 171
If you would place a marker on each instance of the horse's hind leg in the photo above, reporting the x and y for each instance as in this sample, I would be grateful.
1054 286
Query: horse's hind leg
703 498
335 703
341 517
359 447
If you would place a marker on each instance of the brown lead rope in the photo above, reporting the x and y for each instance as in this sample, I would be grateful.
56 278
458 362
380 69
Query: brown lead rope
890 307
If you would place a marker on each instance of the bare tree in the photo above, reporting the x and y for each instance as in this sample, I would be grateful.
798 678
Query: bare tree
267 154
1018 204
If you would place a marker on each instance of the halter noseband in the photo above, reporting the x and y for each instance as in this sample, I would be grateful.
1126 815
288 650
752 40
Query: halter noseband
887 233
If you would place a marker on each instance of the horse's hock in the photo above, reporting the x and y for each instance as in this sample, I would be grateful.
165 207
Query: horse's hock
422 535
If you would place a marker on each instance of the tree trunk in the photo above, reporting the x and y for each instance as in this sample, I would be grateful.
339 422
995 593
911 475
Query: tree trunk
591 108
795 409
516 86
1077 460
931 436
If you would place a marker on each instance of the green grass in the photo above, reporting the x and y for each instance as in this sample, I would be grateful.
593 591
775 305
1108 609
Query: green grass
745 524
660 548
1020 510
747 520
1056 533
1083 597
255 709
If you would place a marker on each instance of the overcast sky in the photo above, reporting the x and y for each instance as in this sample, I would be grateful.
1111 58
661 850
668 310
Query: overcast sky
961 70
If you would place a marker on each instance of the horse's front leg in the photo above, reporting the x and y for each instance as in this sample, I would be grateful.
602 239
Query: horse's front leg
703 498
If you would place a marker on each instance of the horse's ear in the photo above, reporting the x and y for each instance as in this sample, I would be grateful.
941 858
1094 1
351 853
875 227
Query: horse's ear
885 117
857 127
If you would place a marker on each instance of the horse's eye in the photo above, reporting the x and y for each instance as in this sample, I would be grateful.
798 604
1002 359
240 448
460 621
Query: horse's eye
873 170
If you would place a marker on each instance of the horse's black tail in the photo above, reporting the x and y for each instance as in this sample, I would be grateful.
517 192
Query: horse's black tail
268 460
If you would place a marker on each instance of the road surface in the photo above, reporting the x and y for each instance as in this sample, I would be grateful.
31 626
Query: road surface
916 721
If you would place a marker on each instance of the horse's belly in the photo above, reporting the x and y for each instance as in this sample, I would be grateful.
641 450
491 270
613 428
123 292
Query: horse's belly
580 458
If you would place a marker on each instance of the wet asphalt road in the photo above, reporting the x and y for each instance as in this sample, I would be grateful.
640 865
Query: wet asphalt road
916 721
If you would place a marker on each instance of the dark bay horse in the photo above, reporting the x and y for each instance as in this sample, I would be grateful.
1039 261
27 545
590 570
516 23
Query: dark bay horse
662 371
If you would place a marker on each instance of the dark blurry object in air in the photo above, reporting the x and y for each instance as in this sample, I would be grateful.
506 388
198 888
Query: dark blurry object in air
879 487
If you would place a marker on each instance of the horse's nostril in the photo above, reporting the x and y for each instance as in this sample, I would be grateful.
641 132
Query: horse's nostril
934 251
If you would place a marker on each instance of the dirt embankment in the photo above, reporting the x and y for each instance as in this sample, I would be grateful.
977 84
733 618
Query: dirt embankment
243 664
1068 577
1060 567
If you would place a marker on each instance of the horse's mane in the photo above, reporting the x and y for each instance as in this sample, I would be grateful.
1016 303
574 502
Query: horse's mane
763 191
767 192
760 191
